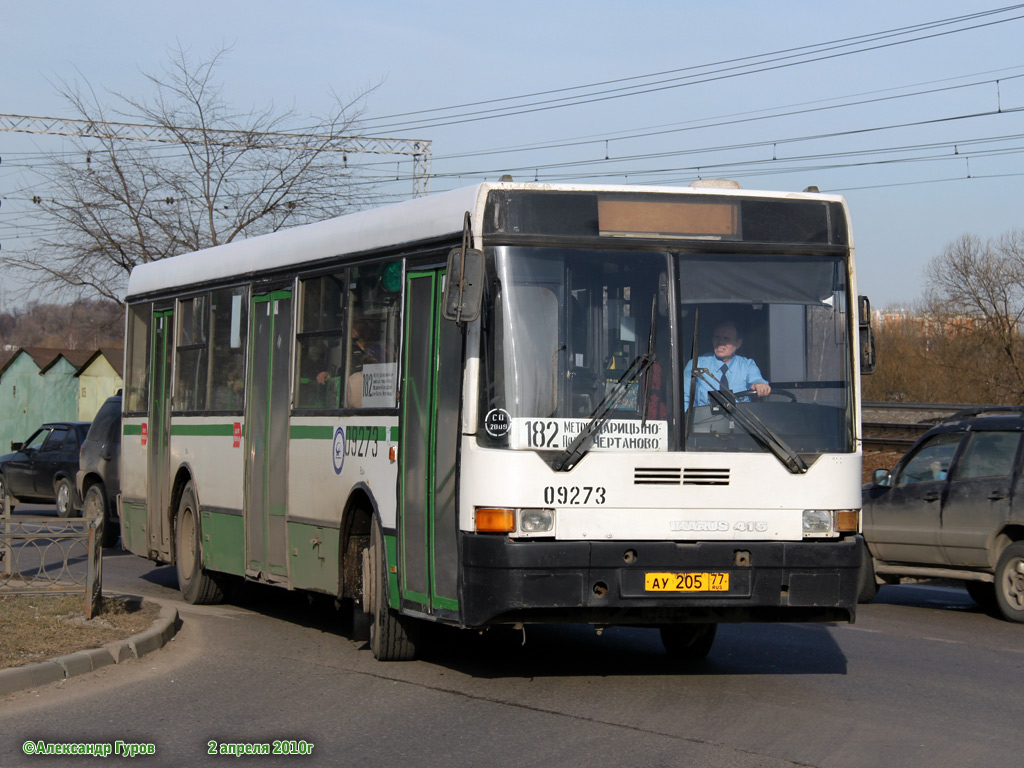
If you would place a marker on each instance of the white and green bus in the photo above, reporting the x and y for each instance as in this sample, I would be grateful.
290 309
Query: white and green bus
481 408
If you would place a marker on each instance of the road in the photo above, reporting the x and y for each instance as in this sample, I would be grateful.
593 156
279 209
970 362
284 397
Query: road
924 678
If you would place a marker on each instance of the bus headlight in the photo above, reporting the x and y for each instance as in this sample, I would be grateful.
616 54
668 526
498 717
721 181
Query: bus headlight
830 522
817 522
536 520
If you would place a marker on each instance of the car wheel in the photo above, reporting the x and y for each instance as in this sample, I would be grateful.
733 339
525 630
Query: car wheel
392 636
6 506
95 505
64 497
688 642
1010 582
196 584
983 593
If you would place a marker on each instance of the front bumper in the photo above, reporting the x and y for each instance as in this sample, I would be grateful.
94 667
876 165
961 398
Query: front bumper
602 582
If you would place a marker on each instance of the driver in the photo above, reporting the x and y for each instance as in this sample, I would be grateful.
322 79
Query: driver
729 370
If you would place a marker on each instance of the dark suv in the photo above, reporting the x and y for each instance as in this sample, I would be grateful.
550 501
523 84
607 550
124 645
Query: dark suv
42 469
99 479
953 507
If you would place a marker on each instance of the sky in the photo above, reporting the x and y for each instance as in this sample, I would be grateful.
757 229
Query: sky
914 110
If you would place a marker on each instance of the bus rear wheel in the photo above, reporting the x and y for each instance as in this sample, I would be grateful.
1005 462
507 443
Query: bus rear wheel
392 636
196 585
688 642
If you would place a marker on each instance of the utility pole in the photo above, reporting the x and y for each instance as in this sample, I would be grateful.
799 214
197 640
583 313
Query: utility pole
417 149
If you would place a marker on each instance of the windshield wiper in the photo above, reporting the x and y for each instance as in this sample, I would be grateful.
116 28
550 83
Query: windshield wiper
751 423
579 447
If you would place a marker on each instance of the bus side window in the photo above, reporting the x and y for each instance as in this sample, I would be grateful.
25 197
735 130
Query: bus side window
371 372
229 324
140 318
320 341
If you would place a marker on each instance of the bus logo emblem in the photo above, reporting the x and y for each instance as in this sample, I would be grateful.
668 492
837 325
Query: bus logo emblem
339 450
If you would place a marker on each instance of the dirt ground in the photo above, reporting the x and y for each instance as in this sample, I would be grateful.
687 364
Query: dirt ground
39 627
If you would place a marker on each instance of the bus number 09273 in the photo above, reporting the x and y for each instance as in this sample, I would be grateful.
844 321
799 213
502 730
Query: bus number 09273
574 495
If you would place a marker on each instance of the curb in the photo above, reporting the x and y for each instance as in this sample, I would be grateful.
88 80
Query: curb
56 670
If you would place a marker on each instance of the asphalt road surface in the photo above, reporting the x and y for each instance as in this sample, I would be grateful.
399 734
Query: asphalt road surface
924 678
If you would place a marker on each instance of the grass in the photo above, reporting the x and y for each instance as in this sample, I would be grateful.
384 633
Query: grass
40 627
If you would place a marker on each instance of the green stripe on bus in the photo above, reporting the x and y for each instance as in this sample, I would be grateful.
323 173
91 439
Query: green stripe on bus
203 430
372 434
133 429
306 432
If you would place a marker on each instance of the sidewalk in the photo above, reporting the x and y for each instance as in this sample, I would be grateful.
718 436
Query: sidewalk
55 670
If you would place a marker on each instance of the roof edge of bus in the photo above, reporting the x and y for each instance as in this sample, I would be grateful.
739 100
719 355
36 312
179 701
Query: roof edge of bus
422 218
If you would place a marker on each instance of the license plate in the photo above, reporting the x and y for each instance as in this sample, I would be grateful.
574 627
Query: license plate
686 582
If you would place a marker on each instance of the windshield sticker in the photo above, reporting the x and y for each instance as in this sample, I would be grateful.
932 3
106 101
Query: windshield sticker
497 423
615 435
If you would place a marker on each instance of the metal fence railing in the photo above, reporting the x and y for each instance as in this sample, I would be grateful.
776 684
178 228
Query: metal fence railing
46 555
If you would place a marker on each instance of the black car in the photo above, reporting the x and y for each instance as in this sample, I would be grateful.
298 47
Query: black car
953 507
99 479
42 469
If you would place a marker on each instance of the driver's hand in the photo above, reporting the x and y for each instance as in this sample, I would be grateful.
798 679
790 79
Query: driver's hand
762 388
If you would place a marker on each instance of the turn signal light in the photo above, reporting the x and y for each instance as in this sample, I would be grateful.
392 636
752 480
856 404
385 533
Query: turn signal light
848 520
495 520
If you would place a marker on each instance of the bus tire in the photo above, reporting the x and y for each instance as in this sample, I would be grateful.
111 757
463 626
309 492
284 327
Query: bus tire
196 585
392 636
688 642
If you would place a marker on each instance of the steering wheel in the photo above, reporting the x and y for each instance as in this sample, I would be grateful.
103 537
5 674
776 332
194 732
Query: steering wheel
751 393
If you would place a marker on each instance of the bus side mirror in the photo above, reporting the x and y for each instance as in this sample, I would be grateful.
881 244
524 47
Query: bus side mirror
868 361
464 285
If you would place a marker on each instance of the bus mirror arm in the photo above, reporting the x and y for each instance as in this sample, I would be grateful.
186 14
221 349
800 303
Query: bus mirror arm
464 281
868 361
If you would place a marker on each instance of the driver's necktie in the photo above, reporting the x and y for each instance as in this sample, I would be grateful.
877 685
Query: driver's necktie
723 382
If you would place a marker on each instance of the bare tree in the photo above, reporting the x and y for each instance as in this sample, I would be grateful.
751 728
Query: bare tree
975 299
112 203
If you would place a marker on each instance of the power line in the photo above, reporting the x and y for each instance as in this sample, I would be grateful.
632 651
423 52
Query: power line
780 62
418 149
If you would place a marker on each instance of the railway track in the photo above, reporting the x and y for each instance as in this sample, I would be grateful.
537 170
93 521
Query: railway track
897 426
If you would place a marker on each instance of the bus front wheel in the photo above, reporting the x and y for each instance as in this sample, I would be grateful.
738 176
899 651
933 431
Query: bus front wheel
196 585
392 636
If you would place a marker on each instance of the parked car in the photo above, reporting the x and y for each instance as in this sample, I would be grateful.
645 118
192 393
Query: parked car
42 469
953 507
98 479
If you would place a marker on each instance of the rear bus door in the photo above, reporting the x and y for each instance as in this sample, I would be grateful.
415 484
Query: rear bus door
266 435
159 436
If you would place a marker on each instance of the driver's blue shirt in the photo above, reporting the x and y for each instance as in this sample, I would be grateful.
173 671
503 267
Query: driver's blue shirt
743 373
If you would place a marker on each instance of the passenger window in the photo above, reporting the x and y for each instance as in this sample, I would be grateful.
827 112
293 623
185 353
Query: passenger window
371 379
321 341
931 461
140 317
228 321
988 454
193 355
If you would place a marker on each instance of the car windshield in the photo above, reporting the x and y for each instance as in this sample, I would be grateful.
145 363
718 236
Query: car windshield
564 327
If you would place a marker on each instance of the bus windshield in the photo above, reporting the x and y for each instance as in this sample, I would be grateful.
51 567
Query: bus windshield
562 326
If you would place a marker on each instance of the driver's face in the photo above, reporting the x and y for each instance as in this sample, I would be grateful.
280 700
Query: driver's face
725 342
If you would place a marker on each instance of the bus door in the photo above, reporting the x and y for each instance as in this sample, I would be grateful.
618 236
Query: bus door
431 394
266 436
158 434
